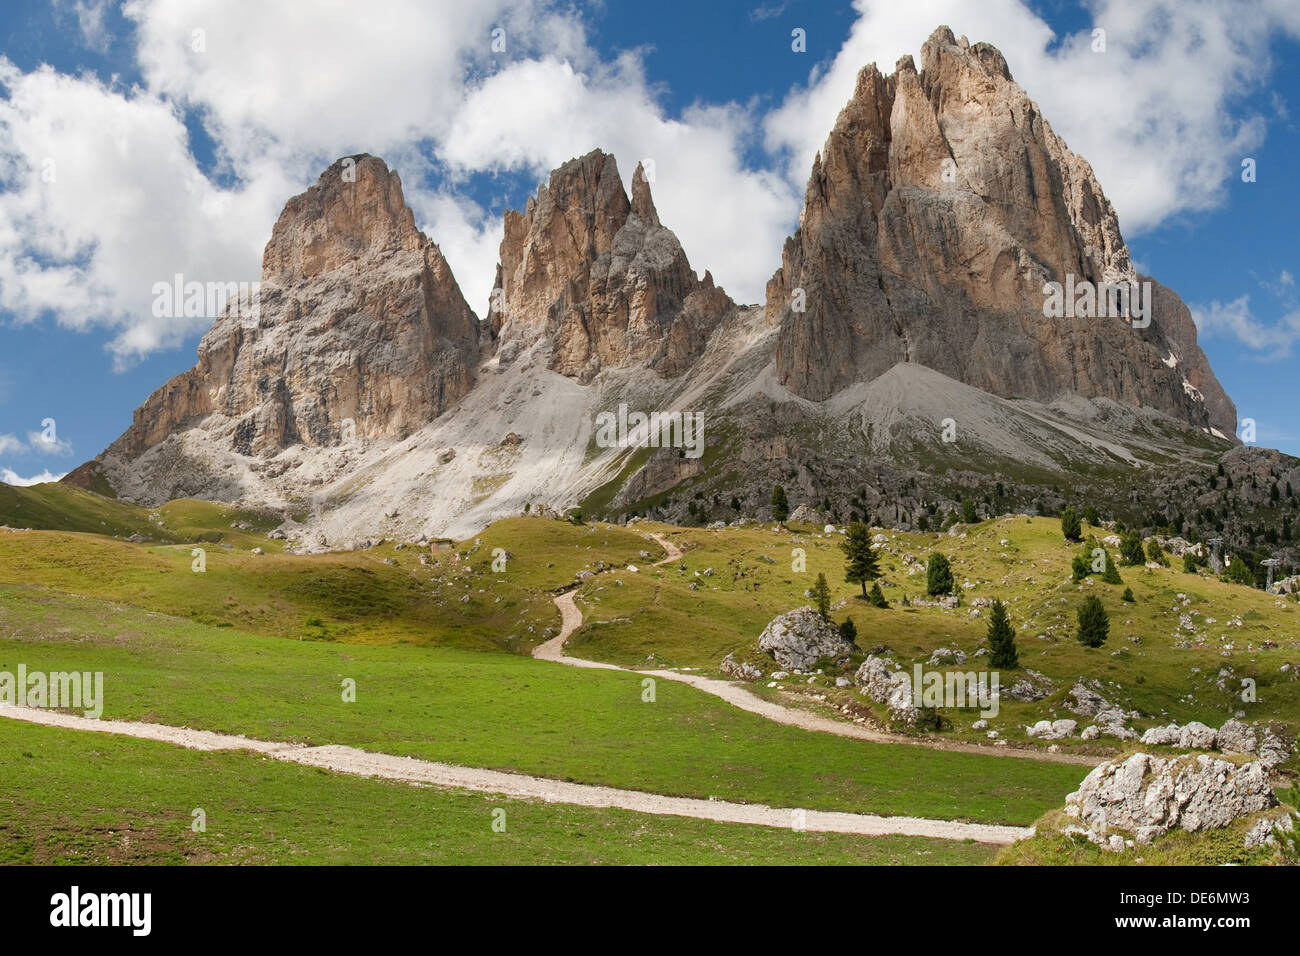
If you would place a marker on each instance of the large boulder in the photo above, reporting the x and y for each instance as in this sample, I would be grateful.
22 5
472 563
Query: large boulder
1148 796
800 638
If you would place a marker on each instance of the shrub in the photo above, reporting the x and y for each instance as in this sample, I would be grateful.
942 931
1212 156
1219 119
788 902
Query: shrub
1094 622
1070 526
1130 550
938 575
1002 639
877 597
780 504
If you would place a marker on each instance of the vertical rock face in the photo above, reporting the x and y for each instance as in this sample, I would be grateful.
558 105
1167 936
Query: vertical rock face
939 207
358 319
597 275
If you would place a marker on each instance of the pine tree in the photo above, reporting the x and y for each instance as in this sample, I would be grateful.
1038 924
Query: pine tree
1130 551
968 515
822 597
1094 623
877 597
1156 553
1091 516
780 504
1002 639
860 557
1111 574
1070 526
938 575
1128 596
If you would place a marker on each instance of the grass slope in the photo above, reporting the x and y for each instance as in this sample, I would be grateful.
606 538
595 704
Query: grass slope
504 712
137 809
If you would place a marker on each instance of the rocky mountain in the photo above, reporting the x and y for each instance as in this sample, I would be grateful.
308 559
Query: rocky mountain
598 275
358 327
902 362
940 206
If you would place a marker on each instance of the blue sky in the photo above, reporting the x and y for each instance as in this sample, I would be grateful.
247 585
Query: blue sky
174 159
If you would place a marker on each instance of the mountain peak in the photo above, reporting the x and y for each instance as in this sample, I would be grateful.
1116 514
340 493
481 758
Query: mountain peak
940 206
353 211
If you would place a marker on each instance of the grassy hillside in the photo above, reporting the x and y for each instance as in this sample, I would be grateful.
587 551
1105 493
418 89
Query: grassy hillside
139 810
1165 654
504 712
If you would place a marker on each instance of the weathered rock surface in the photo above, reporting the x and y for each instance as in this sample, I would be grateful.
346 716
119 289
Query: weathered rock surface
940 205
800 638
882 683
740 670
600 277
359 330
1149 796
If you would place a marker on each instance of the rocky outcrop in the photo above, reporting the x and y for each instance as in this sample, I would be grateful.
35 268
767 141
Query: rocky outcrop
939 207
596 274
739 670
883 683
800 638
358 330
1148 796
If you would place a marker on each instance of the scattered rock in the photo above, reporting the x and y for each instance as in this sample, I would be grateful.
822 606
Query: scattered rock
740 670
800 638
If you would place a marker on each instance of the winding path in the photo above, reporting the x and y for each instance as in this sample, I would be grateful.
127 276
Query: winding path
364 763
740 696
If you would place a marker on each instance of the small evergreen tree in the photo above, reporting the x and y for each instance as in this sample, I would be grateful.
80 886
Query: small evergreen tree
1128 596
1070 526
1002 639
780 504
877 597
1130 551
1111 573
968 514
860 557
1094 623
1156 553
849 631
938 575
1091 516
1189 562
1079 568
822 597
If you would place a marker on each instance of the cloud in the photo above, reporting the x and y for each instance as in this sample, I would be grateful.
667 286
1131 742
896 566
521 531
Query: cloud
1162 115
1235 320
43 444
10 477
104 194
11 444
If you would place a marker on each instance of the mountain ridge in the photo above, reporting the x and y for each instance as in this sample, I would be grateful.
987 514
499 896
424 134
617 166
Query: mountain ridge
368 401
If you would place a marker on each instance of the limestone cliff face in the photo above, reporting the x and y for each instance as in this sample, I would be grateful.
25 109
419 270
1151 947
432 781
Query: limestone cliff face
596 273
359 319
940 205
